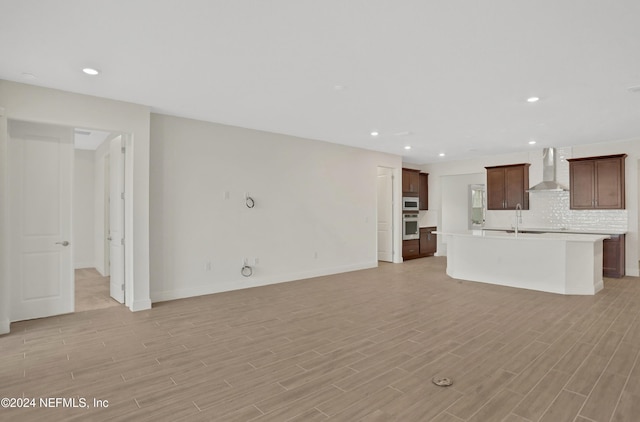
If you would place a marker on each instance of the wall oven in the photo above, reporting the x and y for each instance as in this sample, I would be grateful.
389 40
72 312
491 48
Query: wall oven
410 203
410 227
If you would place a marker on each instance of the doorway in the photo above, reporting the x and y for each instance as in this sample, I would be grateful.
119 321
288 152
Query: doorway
94 275
52 208
455 203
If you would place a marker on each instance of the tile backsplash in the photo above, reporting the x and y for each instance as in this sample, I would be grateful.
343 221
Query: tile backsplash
551 210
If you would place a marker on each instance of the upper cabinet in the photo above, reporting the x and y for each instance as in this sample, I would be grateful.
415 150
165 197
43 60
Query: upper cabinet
415 183
597 182
424 191
507 186
410 182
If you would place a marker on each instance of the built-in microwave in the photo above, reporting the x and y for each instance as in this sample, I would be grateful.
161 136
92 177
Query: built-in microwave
410 203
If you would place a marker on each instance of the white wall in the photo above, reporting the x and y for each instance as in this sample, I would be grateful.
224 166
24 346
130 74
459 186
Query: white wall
44 105
83 209
311 198
614 219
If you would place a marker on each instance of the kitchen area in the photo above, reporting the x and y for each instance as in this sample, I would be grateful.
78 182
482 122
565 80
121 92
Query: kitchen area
417 241
575 223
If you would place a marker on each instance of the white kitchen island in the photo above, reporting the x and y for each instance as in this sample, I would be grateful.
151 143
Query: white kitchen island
550 262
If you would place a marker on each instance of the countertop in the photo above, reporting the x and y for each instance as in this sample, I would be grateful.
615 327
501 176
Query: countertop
568 230
539 236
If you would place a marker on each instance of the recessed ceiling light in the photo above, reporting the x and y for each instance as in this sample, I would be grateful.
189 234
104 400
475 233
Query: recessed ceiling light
27 75
91 71
374 133
339 87
533 99
441 154
532 142
407 147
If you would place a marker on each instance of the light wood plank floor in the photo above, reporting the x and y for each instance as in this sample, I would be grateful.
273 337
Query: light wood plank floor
361 346
92 290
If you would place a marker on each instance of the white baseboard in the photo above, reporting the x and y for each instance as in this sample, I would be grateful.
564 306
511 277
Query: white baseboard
81 265
259 281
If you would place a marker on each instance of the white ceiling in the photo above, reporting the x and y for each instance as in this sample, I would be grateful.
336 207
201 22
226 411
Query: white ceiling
446 76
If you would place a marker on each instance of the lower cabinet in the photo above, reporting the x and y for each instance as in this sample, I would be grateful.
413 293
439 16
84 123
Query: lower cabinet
428 242
418 248
613 261
410 249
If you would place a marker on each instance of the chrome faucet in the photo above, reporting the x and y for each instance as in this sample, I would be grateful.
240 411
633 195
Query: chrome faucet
518 216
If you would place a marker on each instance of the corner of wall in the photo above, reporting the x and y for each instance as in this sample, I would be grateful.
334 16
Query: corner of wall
140 305
5 326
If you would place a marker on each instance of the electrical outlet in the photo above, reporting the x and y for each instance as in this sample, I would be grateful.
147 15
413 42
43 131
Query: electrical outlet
207 266
225 195
256 261
315 255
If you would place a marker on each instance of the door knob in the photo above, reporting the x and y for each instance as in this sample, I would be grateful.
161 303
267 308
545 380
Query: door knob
65 243
109 238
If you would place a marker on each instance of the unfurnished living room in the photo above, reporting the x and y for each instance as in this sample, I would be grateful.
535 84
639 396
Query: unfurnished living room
308 211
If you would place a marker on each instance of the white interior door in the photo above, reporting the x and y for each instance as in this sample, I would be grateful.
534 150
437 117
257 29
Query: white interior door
385 215
116 219
106 206
40 189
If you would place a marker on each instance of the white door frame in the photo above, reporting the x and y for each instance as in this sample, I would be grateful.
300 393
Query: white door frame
127 142
117 219
388 172
105 216
5 310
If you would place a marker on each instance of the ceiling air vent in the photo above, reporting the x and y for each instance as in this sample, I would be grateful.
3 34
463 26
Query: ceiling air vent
634 89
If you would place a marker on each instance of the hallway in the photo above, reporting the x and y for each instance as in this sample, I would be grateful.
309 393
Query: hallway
92 290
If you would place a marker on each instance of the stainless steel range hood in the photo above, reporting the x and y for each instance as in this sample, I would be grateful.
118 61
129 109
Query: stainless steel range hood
549 182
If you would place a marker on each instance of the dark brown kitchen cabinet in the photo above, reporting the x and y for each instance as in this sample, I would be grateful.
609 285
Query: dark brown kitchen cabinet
428 241
410 182
597 182
507 186
613 261
424 191
410 249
